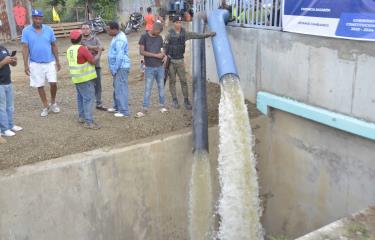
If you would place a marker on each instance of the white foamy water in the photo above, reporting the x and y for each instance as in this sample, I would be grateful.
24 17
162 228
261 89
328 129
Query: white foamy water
200 220
239 204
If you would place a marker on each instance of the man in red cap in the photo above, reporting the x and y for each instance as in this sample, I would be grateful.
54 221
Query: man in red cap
82 71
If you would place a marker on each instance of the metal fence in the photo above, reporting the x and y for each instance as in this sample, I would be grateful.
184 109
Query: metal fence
206 5
247 13
257 13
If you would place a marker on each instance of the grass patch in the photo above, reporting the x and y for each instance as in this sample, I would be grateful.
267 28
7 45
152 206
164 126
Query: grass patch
280 237
359 231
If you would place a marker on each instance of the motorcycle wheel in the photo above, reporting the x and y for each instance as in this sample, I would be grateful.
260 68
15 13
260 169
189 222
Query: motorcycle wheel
128 28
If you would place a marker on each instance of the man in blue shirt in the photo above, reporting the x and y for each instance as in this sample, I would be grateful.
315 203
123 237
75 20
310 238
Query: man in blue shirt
41 59
119 65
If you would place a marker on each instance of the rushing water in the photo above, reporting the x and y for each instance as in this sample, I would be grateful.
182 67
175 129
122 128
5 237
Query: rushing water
239 204
200 220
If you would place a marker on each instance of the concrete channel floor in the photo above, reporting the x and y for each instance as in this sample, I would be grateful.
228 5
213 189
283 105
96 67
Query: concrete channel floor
59 134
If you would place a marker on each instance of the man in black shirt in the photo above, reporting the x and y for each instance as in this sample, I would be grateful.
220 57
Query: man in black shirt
7 126
150 47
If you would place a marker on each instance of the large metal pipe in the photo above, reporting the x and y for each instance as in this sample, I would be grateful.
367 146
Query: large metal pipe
222 49
200 118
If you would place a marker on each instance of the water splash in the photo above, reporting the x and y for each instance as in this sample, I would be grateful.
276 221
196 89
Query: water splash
239 205
200 220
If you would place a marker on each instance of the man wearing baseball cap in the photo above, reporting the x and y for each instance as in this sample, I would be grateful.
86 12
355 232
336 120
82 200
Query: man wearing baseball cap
174 47
82 71
41 59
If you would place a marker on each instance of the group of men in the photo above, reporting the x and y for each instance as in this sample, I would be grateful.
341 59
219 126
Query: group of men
41 63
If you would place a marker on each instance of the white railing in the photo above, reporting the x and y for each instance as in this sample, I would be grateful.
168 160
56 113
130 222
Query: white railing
247 13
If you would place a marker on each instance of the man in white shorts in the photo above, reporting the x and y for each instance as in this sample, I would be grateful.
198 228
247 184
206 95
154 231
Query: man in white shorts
41 59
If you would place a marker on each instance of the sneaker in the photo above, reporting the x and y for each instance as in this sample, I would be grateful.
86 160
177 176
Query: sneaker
187 104
92 126
81 120
163 110
120 115
139 115
55 108
44 112
111 110
2 140
16 128
101 108
175 103
9 133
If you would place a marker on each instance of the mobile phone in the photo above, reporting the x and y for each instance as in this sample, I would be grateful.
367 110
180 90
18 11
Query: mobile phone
13 53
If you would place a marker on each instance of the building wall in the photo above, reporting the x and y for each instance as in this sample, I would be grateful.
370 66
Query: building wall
126 7
330 73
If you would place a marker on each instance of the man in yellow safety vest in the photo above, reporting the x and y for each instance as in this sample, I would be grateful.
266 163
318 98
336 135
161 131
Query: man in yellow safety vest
82 71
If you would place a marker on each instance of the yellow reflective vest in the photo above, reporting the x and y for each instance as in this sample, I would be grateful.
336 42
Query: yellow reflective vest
79 72
242 16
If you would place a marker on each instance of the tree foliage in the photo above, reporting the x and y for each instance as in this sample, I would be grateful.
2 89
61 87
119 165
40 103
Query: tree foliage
57 2
68 9
107 9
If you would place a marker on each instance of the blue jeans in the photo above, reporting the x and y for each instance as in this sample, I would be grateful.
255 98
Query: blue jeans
151 74
6 107
85 100
121 92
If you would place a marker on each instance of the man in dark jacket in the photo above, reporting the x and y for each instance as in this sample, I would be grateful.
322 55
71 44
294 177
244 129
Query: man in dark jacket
174 47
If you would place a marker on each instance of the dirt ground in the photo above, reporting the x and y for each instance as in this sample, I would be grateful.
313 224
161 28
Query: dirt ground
60 134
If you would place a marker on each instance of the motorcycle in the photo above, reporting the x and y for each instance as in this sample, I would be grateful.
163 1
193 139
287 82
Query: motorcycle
135 22
97 25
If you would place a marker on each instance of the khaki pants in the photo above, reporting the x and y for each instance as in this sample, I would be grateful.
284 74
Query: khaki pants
177 67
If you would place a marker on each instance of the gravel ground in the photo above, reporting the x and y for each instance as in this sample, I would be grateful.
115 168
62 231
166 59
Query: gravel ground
60 134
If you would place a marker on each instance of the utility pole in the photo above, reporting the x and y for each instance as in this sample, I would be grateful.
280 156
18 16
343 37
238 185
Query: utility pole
88 10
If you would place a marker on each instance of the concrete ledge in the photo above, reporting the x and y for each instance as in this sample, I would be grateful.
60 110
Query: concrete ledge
360 226
349 124
139 191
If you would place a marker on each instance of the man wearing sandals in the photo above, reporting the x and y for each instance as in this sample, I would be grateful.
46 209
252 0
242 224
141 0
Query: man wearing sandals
150 46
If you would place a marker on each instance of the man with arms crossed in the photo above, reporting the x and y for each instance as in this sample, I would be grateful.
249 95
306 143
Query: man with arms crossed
94 45
41 59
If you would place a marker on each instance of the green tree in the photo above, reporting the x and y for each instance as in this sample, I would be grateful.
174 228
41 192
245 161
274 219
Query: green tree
107 9
57 2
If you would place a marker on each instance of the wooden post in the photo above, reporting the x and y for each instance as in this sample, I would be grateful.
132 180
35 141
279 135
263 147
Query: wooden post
88 10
